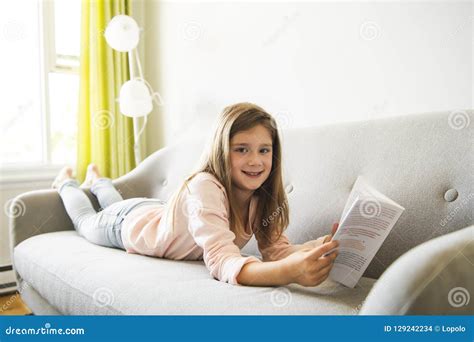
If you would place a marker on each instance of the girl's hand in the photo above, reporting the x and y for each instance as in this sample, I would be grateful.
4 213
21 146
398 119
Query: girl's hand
328 238
307 267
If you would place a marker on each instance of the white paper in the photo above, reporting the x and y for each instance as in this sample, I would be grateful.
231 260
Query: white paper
367 219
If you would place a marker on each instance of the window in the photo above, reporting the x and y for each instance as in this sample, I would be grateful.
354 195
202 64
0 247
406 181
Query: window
40 82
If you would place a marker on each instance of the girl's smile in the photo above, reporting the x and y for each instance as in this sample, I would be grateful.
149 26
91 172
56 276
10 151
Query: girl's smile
253 174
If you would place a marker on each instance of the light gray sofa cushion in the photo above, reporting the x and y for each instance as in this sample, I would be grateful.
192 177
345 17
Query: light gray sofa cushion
436 277
77 277
36 303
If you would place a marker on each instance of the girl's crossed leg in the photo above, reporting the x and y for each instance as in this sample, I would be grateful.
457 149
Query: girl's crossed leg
104 227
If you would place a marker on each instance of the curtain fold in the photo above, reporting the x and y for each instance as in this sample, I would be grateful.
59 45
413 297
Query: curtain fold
105 136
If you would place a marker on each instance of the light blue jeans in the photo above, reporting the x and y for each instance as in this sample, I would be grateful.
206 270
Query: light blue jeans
104 227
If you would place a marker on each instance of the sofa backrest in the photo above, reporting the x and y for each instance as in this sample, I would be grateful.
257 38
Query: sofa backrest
422 161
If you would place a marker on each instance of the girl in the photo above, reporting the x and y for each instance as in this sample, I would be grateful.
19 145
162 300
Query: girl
236 192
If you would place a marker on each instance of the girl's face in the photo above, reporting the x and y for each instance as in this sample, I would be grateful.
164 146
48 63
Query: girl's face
251 152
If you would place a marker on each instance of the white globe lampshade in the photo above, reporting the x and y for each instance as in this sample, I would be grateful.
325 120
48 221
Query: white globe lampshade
122 33
135 99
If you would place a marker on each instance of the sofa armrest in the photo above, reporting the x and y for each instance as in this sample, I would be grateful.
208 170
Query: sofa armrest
36 212
434 278
33 213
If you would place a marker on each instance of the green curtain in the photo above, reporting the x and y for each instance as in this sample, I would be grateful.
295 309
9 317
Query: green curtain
105 136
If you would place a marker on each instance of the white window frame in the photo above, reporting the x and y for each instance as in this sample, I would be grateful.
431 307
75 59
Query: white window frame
48 61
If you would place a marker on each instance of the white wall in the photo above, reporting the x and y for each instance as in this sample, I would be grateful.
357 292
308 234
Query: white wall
307 63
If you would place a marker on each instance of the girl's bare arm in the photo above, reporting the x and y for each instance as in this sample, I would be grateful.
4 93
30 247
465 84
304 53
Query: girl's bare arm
268 273
305 267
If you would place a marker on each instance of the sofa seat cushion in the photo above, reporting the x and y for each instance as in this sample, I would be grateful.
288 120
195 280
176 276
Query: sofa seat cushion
79 278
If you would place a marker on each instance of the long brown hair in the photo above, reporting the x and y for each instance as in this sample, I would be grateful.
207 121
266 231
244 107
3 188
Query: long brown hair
272 213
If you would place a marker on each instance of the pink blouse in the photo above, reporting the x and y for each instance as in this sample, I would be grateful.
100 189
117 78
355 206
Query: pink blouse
201 231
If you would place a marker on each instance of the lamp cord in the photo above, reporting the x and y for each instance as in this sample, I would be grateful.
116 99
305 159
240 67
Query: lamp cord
154 97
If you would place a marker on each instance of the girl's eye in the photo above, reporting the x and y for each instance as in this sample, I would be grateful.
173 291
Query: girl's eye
243 148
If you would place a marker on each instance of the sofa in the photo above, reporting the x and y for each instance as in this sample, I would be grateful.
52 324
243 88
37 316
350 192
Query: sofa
422 161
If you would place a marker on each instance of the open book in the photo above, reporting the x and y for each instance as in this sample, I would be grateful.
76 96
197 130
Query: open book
366 221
